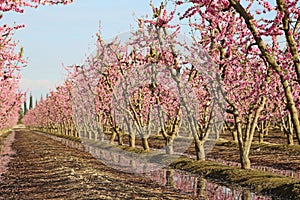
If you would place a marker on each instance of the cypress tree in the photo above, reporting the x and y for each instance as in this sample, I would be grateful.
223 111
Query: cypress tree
25 108
30 102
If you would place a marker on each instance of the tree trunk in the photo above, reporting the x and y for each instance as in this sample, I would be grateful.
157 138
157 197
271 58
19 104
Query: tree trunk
267 131
145 144
261 136
233 132
76 134
244 146
120 137
200 152
288 129
244 159
113 137
290 138
267 128
131 135
169 149
234 136
131 140
295 119
73 132
59 130
170 146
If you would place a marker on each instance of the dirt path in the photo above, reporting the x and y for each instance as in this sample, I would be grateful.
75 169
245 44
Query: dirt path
45 169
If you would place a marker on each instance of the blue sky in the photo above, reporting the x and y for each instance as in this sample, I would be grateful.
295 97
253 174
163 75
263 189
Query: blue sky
66 34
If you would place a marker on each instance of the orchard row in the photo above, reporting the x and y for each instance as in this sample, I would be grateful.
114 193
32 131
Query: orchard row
158 82
11 62
240 69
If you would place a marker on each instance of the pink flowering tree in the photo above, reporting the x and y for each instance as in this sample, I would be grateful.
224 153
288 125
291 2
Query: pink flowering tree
189 75
266 24
11 61
53 114
83 102
246 75
11 101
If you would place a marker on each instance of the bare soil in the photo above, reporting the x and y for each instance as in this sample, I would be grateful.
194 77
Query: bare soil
43 168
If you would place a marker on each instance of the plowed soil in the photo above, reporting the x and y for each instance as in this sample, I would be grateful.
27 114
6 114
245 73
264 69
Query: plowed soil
45 169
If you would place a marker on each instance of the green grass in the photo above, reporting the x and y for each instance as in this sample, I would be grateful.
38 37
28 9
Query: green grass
256 180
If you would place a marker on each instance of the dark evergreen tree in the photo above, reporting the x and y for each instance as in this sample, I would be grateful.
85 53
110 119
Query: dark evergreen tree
25 107
30 102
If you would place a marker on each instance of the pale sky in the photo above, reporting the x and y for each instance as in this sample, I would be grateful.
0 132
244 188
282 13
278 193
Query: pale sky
66 34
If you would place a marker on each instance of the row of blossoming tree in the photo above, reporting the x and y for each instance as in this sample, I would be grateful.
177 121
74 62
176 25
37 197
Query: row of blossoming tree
11 61
241 67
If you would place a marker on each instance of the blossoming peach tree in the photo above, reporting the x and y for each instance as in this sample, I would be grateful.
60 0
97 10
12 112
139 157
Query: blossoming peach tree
245 40
11 61
157 82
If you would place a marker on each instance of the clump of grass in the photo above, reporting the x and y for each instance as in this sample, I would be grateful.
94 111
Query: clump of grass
256 180
287 191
